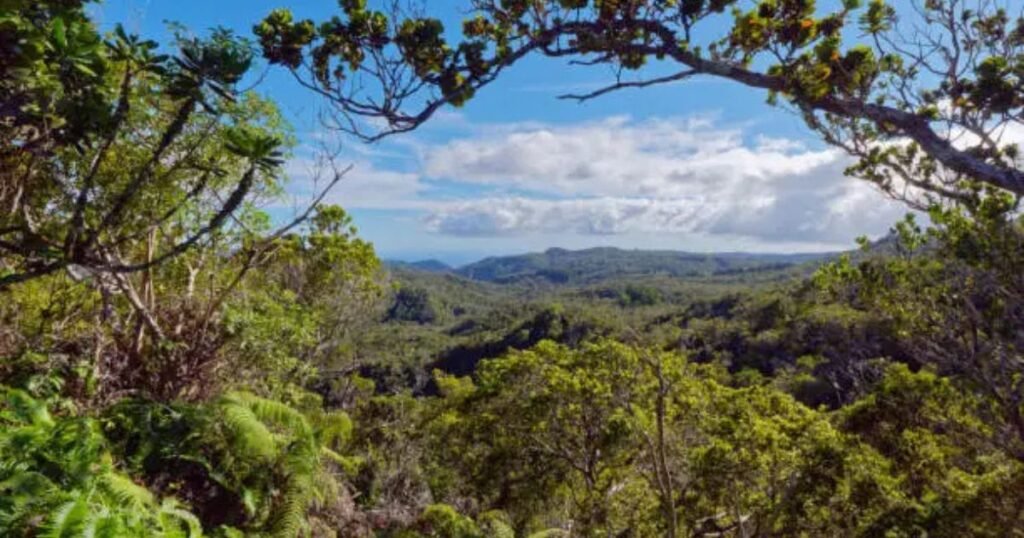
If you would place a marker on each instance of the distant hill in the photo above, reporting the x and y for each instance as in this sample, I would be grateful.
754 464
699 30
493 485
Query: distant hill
432 266
575 267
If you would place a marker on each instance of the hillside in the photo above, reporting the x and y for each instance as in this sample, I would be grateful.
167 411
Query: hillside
433 266
197 340
577 267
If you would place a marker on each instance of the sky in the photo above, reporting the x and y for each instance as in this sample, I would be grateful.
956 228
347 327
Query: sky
702 165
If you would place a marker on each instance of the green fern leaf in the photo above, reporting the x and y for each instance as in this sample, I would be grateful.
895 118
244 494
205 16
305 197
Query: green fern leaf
26 409
26 484
350 465
289 519
335 428
128 493
275 413
550 533
177 522
68 520
249 434
102 524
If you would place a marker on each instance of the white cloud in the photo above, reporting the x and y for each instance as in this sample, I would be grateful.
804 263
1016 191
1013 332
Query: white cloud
364 186
602 216
620 157
658 176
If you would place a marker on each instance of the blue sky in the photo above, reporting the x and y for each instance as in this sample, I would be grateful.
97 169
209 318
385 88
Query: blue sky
703 165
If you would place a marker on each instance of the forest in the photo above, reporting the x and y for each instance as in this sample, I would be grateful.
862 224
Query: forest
178 361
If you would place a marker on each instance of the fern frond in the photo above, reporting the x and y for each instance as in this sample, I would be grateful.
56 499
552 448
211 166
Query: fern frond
303 458
350 465
177 522
335 428
249 434
276 413
26 484
325 486
100 523
229 532
128 493
251 500
110 527
291 515
68 520
23 408
550 533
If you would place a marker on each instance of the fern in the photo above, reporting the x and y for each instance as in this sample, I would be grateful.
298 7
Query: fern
103 524
274 413
281 435
249 434
290 516
26 484
69 519
128 493
177 522
551 533
350 465
334 429
57 480
19 406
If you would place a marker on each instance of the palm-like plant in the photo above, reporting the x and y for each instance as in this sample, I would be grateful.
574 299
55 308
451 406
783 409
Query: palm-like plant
216 64
261 150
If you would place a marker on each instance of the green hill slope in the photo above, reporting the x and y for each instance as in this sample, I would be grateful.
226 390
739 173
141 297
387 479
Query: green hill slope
576 267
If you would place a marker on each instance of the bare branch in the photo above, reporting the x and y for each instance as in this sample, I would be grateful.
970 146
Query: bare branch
682 75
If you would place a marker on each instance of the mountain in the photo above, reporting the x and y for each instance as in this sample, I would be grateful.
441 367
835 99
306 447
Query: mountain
572 267
431 266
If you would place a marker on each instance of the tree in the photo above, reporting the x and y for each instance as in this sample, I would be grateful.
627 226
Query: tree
150 285
115 157
935 435
923 103
300 304
412 304
548 428
955 296
639 441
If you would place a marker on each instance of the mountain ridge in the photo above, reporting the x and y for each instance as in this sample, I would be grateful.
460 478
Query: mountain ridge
564 266
429 265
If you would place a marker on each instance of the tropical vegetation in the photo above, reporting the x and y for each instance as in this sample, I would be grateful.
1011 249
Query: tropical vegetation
174 361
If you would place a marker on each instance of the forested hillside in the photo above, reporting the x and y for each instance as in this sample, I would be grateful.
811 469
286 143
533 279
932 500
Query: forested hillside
178 359
562 266
435 266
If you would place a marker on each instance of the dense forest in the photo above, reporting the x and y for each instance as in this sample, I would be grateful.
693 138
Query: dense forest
175 361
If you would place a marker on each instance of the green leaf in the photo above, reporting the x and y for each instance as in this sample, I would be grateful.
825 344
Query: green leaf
59 33
68 520
85 69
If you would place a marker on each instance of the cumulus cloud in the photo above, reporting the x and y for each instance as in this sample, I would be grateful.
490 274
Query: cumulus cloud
620 157
671 175
364 186
603 216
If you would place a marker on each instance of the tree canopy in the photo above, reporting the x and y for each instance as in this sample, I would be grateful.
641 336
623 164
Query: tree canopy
175 363
922 96
117 156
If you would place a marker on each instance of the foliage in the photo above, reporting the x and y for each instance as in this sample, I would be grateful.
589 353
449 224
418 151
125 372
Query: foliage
412 304
115 157
560 266
900 101
57 478
171 365
959 309
589 421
